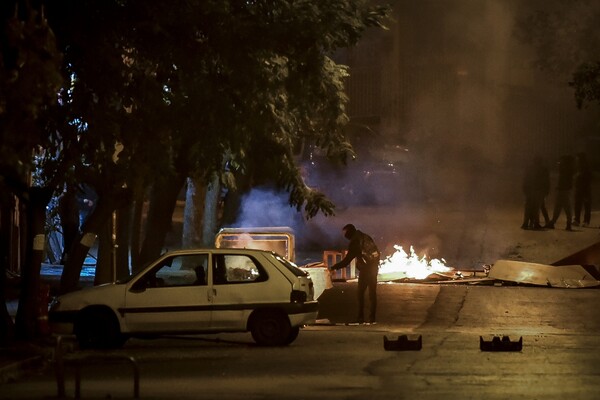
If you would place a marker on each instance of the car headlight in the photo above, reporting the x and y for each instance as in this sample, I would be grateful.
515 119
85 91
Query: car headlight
54 303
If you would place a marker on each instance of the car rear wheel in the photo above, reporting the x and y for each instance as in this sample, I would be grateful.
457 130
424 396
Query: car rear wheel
98 328
271 328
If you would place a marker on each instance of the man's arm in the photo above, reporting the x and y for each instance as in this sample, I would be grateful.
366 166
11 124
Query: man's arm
344 263
353 252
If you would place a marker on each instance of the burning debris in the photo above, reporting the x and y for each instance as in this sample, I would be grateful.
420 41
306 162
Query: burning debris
403 265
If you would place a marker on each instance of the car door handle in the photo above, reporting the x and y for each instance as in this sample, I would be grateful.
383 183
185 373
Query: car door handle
211 293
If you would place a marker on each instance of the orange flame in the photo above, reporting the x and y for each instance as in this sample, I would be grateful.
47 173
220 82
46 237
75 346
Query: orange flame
403 265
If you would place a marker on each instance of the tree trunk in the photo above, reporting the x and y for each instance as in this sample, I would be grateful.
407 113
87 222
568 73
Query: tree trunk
26 322
6 213
233 199
211 208
136 231
113 248
160 213
123 233
102 213
193 213
104 267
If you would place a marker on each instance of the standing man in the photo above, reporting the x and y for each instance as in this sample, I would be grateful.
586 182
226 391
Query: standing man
542 184
563 191
365 251
532 204
583 190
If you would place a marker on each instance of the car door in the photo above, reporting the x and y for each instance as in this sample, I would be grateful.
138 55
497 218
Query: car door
240 284
173 296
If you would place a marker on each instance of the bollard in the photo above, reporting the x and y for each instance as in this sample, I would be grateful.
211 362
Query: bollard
497 344
59 369
81 360
85 360
403 343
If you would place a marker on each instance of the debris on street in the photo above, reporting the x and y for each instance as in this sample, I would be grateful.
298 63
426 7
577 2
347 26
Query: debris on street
564 276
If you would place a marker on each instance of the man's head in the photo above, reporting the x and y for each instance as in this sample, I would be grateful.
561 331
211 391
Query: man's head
349 231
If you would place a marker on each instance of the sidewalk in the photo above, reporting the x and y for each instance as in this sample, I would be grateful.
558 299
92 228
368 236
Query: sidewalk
19 358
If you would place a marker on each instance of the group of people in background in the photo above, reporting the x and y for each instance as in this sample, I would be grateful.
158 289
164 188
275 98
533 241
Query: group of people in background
574 180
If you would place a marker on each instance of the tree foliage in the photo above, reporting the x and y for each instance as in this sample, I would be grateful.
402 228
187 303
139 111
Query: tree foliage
586 82
198 79
566 40
128 94
29 81
563 34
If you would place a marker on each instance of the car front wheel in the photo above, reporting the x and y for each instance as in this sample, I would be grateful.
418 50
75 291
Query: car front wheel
98 328
271 328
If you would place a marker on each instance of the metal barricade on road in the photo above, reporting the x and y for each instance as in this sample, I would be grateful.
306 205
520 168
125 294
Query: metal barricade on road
80 360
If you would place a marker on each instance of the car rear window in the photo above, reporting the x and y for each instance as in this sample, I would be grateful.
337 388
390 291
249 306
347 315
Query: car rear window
289 265
236 268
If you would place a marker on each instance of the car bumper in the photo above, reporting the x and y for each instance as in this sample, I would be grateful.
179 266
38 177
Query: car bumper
61 322
303 313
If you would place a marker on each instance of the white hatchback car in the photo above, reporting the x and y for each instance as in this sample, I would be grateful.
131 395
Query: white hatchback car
194 291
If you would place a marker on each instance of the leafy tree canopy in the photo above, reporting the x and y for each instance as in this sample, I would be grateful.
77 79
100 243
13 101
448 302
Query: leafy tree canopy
29 80
180 84
586 82
563 33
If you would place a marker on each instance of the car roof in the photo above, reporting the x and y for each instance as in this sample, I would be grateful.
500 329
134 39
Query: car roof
219 250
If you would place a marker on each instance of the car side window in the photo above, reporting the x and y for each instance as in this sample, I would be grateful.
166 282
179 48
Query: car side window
186 270
235 269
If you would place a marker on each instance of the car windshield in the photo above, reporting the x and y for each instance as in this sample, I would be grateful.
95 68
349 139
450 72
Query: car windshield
130 277
289 265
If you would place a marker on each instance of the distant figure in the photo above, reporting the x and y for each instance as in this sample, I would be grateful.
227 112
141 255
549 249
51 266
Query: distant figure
583 190
563 191
542 183
68 211
532 194
365 251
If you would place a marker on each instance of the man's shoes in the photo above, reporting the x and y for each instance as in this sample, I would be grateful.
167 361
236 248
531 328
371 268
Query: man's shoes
537 227
549 225
524 227
585 224
575 223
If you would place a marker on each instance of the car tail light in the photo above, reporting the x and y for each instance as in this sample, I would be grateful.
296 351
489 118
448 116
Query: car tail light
298 296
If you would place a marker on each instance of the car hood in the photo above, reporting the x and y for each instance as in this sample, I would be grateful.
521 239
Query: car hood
109 294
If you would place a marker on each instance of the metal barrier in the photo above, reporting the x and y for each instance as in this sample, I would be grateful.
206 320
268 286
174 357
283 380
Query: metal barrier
79 360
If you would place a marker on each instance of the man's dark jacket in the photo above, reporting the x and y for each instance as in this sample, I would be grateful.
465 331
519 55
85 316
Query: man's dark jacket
355 251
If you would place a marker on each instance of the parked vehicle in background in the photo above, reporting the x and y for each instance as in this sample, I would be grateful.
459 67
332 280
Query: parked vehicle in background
194 291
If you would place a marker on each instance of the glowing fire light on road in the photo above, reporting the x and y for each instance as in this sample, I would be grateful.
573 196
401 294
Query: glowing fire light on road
403 265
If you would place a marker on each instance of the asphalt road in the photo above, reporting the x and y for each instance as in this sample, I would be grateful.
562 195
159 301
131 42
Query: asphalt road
560 356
